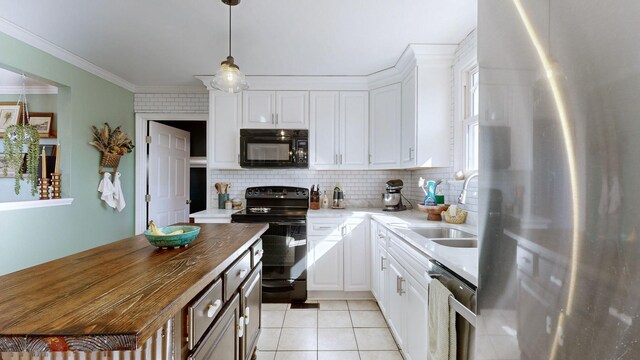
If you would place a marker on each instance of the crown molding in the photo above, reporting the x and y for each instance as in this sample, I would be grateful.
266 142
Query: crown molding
39 43
33 90
153 89
312 83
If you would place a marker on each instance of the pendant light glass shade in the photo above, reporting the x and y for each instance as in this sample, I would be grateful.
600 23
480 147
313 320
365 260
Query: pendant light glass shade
229 78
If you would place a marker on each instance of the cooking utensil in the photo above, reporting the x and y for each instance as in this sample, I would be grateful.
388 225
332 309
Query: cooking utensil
217 186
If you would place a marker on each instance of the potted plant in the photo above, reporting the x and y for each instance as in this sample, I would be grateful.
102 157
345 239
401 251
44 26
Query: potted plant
16 139
112 143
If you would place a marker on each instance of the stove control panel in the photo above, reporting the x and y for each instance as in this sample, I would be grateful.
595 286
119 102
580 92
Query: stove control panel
276 192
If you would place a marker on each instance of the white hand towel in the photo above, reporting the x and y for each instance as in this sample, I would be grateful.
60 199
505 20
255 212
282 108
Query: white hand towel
118 195
106 188
442 323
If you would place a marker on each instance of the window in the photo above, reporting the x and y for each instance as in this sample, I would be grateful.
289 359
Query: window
470 119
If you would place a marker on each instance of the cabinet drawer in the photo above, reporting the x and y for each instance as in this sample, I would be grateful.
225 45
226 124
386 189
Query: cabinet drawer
324 228
202 312
236 275
256 253
552 275
222 341
526 262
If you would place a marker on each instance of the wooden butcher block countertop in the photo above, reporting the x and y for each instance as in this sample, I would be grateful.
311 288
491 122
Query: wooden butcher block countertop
114 297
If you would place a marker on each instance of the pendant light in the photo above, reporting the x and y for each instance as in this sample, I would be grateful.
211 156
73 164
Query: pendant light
229 78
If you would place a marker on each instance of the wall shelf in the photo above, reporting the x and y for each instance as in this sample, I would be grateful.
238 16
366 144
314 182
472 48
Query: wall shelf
31 204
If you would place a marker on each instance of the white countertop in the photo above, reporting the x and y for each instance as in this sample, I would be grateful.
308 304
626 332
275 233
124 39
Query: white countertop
462 261
213 213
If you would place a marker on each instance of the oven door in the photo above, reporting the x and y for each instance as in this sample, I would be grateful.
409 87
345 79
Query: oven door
284 261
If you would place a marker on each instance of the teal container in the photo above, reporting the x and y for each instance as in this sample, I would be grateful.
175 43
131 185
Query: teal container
221 200
190 233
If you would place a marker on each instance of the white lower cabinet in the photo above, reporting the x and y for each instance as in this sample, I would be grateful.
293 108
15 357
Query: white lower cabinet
397 304
401 289
325 263
338 251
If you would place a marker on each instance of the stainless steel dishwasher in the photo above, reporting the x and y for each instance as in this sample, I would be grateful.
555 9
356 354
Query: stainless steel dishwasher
464 303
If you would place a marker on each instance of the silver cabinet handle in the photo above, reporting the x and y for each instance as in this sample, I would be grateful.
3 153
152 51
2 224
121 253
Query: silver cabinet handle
410 153
323 227
340 159
399 281
335 161
259 252
342 231
382 260
242 273
273 119
276 119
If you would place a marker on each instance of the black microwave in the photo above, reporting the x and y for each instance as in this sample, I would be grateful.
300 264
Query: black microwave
274 148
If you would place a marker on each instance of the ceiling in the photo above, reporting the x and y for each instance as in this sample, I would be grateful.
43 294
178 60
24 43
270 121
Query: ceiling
166 42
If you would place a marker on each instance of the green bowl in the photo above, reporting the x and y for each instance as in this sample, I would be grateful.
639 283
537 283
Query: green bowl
190 233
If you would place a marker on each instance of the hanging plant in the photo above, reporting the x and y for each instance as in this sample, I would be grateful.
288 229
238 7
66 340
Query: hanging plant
16 138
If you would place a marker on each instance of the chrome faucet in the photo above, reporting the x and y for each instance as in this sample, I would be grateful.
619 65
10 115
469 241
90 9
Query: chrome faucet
462 199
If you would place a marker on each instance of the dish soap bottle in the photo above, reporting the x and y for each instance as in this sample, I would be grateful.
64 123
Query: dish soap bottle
325 200
430 199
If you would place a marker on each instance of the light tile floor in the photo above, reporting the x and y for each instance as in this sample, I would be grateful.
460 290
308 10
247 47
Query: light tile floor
339 330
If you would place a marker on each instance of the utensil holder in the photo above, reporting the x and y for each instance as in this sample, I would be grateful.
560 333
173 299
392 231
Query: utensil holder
221 200
55 184
44 188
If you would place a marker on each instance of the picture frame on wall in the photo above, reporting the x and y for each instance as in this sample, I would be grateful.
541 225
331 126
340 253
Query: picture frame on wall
10 172
43 123
10 114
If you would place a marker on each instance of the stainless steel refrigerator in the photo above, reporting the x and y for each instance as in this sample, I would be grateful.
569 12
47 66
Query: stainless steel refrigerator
559 185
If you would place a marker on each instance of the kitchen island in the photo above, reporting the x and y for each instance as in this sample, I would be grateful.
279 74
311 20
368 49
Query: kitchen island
128 295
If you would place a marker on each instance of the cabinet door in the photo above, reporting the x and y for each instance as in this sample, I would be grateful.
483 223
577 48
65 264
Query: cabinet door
397 308
417 325
356 255
384 127
383 278
354 125
251 305
324 129
224 137
408 138
325 270
375 260
292 110
258 109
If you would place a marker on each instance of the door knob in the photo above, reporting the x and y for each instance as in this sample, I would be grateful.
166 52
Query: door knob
188 201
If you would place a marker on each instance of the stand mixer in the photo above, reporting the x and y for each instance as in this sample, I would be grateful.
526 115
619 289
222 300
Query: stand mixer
392 199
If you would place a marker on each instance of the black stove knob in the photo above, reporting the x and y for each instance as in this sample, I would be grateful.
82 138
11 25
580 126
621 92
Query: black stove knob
304 193
249 192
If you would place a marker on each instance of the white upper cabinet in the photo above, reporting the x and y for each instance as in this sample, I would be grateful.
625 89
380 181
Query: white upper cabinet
259 109
426 116
224 136
339 122
384 126
292 109
324 134
354 124
275 109
409 121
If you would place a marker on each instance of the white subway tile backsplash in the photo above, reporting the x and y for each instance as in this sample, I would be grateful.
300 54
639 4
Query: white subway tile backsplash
168 103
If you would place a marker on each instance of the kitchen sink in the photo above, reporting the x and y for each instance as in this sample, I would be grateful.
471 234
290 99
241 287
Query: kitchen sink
457 243
441 233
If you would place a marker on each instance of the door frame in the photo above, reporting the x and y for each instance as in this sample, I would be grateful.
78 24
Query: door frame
141 152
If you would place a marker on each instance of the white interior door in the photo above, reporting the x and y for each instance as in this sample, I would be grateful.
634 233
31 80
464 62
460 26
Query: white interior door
168 180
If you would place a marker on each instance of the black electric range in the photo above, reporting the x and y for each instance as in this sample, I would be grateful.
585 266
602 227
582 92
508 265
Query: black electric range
284 262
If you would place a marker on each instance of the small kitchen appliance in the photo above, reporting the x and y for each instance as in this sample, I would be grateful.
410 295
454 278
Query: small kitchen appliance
392 199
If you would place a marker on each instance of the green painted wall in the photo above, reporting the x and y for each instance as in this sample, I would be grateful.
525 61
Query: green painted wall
29 237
